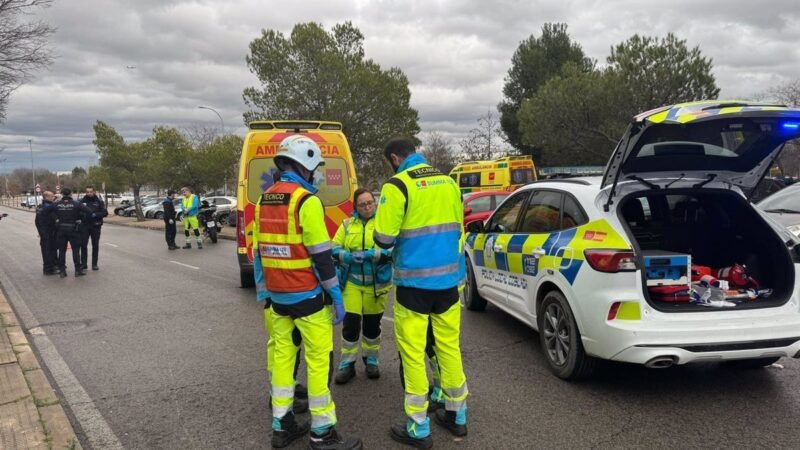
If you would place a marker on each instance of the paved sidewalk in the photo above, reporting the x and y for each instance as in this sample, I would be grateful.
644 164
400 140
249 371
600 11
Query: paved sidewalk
31 416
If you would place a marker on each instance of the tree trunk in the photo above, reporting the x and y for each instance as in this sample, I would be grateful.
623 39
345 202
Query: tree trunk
138 203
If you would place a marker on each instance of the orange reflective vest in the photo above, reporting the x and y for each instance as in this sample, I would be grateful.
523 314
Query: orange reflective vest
284 257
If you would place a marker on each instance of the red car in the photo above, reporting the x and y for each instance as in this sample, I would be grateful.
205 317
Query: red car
479 205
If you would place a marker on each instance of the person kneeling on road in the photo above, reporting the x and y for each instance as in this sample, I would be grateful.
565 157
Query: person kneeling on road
367 275
190 207
295 253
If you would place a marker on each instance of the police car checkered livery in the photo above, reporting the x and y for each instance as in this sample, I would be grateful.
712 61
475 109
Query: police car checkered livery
567 256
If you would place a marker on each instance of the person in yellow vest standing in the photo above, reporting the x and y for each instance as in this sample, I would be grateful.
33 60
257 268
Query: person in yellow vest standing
297 260
190 207
420 214
368 276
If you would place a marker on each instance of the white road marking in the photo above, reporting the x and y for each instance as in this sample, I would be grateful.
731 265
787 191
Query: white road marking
110 244
185 265
97 430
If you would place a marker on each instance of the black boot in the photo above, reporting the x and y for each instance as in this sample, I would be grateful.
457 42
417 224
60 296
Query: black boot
447 419
290 431
300 391
187 246
62 274
332 440
200 245
79 272
346 373
372 371
399 434
94 267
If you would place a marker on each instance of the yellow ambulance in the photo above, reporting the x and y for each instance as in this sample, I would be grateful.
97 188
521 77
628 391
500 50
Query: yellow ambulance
336 185
504 174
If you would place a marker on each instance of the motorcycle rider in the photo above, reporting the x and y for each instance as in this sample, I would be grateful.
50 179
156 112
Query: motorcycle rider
190 207
92 226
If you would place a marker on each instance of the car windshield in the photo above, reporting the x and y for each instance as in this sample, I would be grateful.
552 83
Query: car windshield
786 200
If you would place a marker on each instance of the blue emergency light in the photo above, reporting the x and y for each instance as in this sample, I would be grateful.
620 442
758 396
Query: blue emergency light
791 126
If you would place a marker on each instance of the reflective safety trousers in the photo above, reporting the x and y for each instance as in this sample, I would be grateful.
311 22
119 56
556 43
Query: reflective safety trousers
362 301
317 334
411 335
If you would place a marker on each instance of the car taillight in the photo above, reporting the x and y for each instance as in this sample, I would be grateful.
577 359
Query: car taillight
612 312
611 261
240 229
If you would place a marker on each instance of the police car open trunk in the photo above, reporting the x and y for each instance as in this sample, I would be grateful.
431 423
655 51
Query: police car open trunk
677 181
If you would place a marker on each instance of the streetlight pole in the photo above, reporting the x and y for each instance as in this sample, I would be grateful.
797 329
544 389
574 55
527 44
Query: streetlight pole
218 115
223 134
33 174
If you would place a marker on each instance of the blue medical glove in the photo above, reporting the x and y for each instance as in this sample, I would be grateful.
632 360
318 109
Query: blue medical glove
338 313
358 257
347 257
369 255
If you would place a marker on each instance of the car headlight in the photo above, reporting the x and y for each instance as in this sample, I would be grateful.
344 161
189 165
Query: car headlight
794 229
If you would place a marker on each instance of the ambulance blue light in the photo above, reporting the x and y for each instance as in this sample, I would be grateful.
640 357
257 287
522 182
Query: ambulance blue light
791 126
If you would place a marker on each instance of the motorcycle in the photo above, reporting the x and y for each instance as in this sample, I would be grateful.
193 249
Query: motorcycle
207 219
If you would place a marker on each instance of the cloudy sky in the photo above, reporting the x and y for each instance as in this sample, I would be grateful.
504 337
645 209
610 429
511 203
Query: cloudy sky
455 54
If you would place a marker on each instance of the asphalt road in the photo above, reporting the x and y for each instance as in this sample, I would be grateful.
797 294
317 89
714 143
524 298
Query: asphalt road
167 352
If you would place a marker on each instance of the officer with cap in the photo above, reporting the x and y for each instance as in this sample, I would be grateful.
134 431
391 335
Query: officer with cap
69 216
46 227
170 229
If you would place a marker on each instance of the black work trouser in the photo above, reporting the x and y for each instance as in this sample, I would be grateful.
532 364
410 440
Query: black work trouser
74 239
47 242
170 231
90 232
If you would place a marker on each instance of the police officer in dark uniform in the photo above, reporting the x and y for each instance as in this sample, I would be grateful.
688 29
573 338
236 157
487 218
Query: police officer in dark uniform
92 226
46 226
169 220
69 216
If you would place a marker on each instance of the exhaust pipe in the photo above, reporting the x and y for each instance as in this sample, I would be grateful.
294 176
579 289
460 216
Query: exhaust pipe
660 362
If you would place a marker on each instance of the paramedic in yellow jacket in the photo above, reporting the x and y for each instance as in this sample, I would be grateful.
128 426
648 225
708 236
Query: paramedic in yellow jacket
297 261
367 276
420 214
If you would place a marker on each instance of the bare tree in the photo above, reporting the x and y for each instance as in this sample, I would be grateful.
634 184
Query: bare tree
485 141
438 150
23 45
788 94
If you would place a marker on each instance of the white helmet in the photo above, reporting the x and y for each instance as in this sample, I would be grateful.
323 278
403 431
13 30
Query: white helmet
302 150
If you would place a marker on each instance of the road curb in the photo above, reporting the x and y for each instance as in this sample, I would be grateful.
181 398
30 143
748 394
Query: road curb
147 226
34 417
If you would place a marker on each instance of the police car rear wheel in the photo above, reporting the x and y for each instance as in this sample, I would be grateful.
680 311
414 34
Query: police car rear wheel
473 300
561 340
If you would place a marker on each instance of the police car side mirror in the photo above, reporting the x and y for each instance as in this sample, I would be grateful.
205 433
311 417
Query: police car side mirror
475 227
467 211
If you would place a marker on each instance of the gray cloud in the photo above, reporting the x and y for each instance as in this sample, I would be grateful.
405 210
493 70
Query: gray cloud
455 53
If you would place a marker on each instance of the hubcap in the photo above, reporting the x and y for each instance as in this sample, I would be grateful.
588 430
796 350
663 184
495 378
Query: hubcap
556 334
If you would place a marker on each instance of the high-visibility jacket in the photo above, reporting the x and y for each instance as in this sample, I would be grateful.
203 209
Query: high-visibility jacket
420 213
355 235
190 205
285 260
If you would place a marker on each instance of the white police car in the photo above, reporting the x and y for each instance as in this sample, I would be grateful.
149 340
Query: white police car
567 257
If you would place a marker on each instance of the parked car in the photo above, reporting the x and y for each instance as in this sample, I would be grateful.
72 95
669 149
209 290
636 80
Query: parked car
157 211
585 263
784 207
31 201
130 211
479 205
